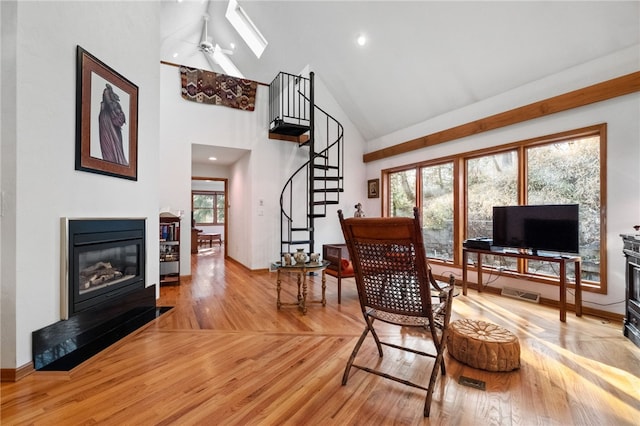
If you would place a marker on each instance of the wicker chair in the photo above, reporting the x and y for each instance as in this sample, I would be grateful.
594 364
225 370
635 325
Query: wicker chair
395 286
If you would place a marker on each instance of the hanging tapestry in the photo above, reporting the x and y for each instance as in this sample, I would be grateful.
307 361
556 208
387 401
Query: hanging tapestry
208 87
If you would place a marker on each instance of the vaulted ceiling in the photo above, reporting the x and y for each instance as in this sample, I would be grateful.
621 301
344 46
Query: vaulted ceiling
422 58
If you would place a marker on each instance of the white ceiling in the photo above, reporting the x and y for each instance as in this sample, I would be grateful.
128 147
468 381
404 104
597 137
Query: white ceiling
200 154
422 59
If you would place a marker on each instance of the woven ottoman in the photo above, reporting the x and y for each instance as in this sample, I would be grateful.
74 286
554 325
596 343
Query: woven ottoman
483 345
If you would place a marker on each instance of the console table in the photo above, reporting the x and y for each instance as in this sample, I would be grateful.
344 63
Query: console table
562 261
301 271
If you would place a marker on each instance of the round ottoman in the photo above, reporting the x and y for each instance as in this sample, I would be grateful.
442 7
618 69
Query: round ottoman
483 345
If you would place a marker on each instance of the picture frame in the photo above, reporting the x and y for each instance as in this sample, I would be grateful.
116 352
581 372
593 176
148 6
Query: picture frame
106 119
373 188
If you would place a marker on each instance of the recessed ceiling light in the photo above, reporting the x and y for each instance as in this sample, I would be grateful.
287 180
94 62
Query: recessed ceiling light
212 158
175 54
361 40
232 45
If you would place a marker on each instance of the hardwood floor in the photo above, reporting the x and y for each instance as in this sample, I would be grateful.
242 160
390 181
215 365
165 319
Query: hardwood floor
226 355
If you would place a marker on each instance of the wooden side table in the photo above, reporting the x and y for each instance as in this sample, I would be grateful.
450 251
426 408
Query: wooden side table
301 271
211 238
562 279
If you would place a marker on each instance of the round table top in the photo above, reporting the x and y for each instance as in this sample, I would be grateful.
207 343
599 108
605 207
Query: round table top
307 266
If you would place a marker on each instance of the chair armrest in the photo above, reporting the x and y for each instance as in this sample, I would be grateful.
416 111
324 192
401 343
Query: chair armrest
439 284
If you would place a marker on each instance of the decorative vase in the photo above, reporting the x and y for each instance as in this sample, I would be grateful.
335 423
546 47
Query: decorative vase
300 256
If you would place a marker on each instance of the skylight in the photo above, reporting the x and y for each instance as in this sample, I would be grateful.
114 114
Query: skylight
246 28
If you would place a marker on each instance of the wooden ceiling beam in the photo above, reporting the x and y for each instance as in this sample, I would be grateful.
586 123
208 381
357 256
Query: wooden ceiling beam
609 89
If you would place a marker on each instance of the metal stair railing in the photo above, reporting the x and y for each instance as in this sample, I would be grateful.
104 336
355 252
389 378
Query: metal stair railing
320 178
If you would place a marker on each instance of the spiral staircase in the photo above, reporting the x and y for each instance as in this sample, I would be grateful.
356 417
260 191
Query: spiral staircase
316 184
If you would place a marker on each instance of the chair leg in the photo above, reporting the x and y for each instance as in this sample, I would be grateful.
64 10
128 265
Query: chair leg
440 345
439 361
443 345
339 290
352 358
374 334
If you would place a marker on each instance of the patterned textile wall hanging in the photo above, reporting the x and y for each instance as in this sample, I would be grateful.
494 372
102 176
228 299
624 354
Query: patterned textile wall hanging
208 87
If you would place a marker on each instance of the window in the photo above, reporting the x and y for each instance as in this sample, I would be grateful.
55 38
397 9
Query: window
492 180
208 207
568 172
437 210
403 193
435 185
565 168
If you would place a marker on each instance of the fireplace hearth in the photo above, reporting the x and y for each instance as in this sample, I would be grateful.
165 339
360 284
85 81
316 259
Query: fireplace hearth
103 289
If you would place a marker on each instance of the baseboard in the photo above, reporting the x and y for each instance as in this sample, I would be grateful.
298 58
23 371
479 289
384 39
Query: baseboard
15 374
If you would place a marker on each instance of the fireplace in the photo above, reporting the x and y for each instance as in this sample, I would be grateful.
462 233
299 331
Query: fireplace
104 260
631 249
104 295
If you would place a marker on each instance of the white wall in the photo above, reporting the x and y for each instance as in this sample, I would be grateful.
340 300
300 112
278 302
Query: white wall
42 131
8 77
622 115
209 170
184 123
253 229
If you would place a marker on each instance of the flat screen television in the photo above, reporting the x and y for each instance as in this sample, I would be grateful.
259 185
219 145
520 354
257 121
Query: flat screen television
537 227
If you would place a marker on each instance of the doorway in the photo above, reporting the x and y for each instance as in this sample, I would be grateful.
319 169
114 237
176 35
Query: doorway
209 214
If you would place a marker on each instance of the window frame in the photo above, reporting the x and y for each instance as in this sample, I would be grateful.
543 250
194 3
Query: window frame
460 194
214 209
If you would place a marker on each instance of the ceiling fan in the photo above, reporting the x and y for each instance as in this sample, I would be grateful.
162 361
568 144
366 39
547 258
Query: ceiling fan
214 54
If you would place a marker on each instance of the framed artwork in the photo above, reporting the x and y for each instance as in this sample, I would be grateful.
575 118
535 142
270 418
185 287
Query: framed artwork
106 119
373 187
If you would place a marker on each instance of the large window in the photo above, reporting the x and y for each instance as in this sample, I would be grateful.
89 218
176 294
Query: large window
559 169
208 207
435 187
492 180
437 210
402 190
568 172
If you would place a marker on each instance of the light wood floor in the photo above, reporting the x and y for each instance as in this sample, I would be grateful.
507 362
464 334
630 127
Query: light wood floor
226 355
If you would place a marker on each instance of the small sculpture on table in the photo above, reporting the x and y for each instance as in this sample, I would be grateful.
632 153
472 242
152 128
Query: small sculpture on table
359 212
300 256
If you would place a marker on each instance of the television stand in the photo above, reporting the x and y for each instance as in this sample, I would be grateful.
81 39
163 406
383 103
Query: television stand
562 261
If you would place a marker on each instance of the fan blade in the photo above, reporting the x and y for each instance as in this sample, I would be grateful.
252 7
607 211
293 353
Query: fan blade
225 51
212 63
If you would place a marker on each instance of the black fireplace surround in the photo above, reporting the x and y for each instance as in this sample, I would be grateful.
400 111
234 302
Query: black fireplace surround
105 260
103 288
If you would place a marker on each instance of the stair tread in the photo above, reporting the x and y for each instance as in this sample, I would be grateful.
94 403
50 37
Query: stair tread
328 178
322 190
291 129
324 203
